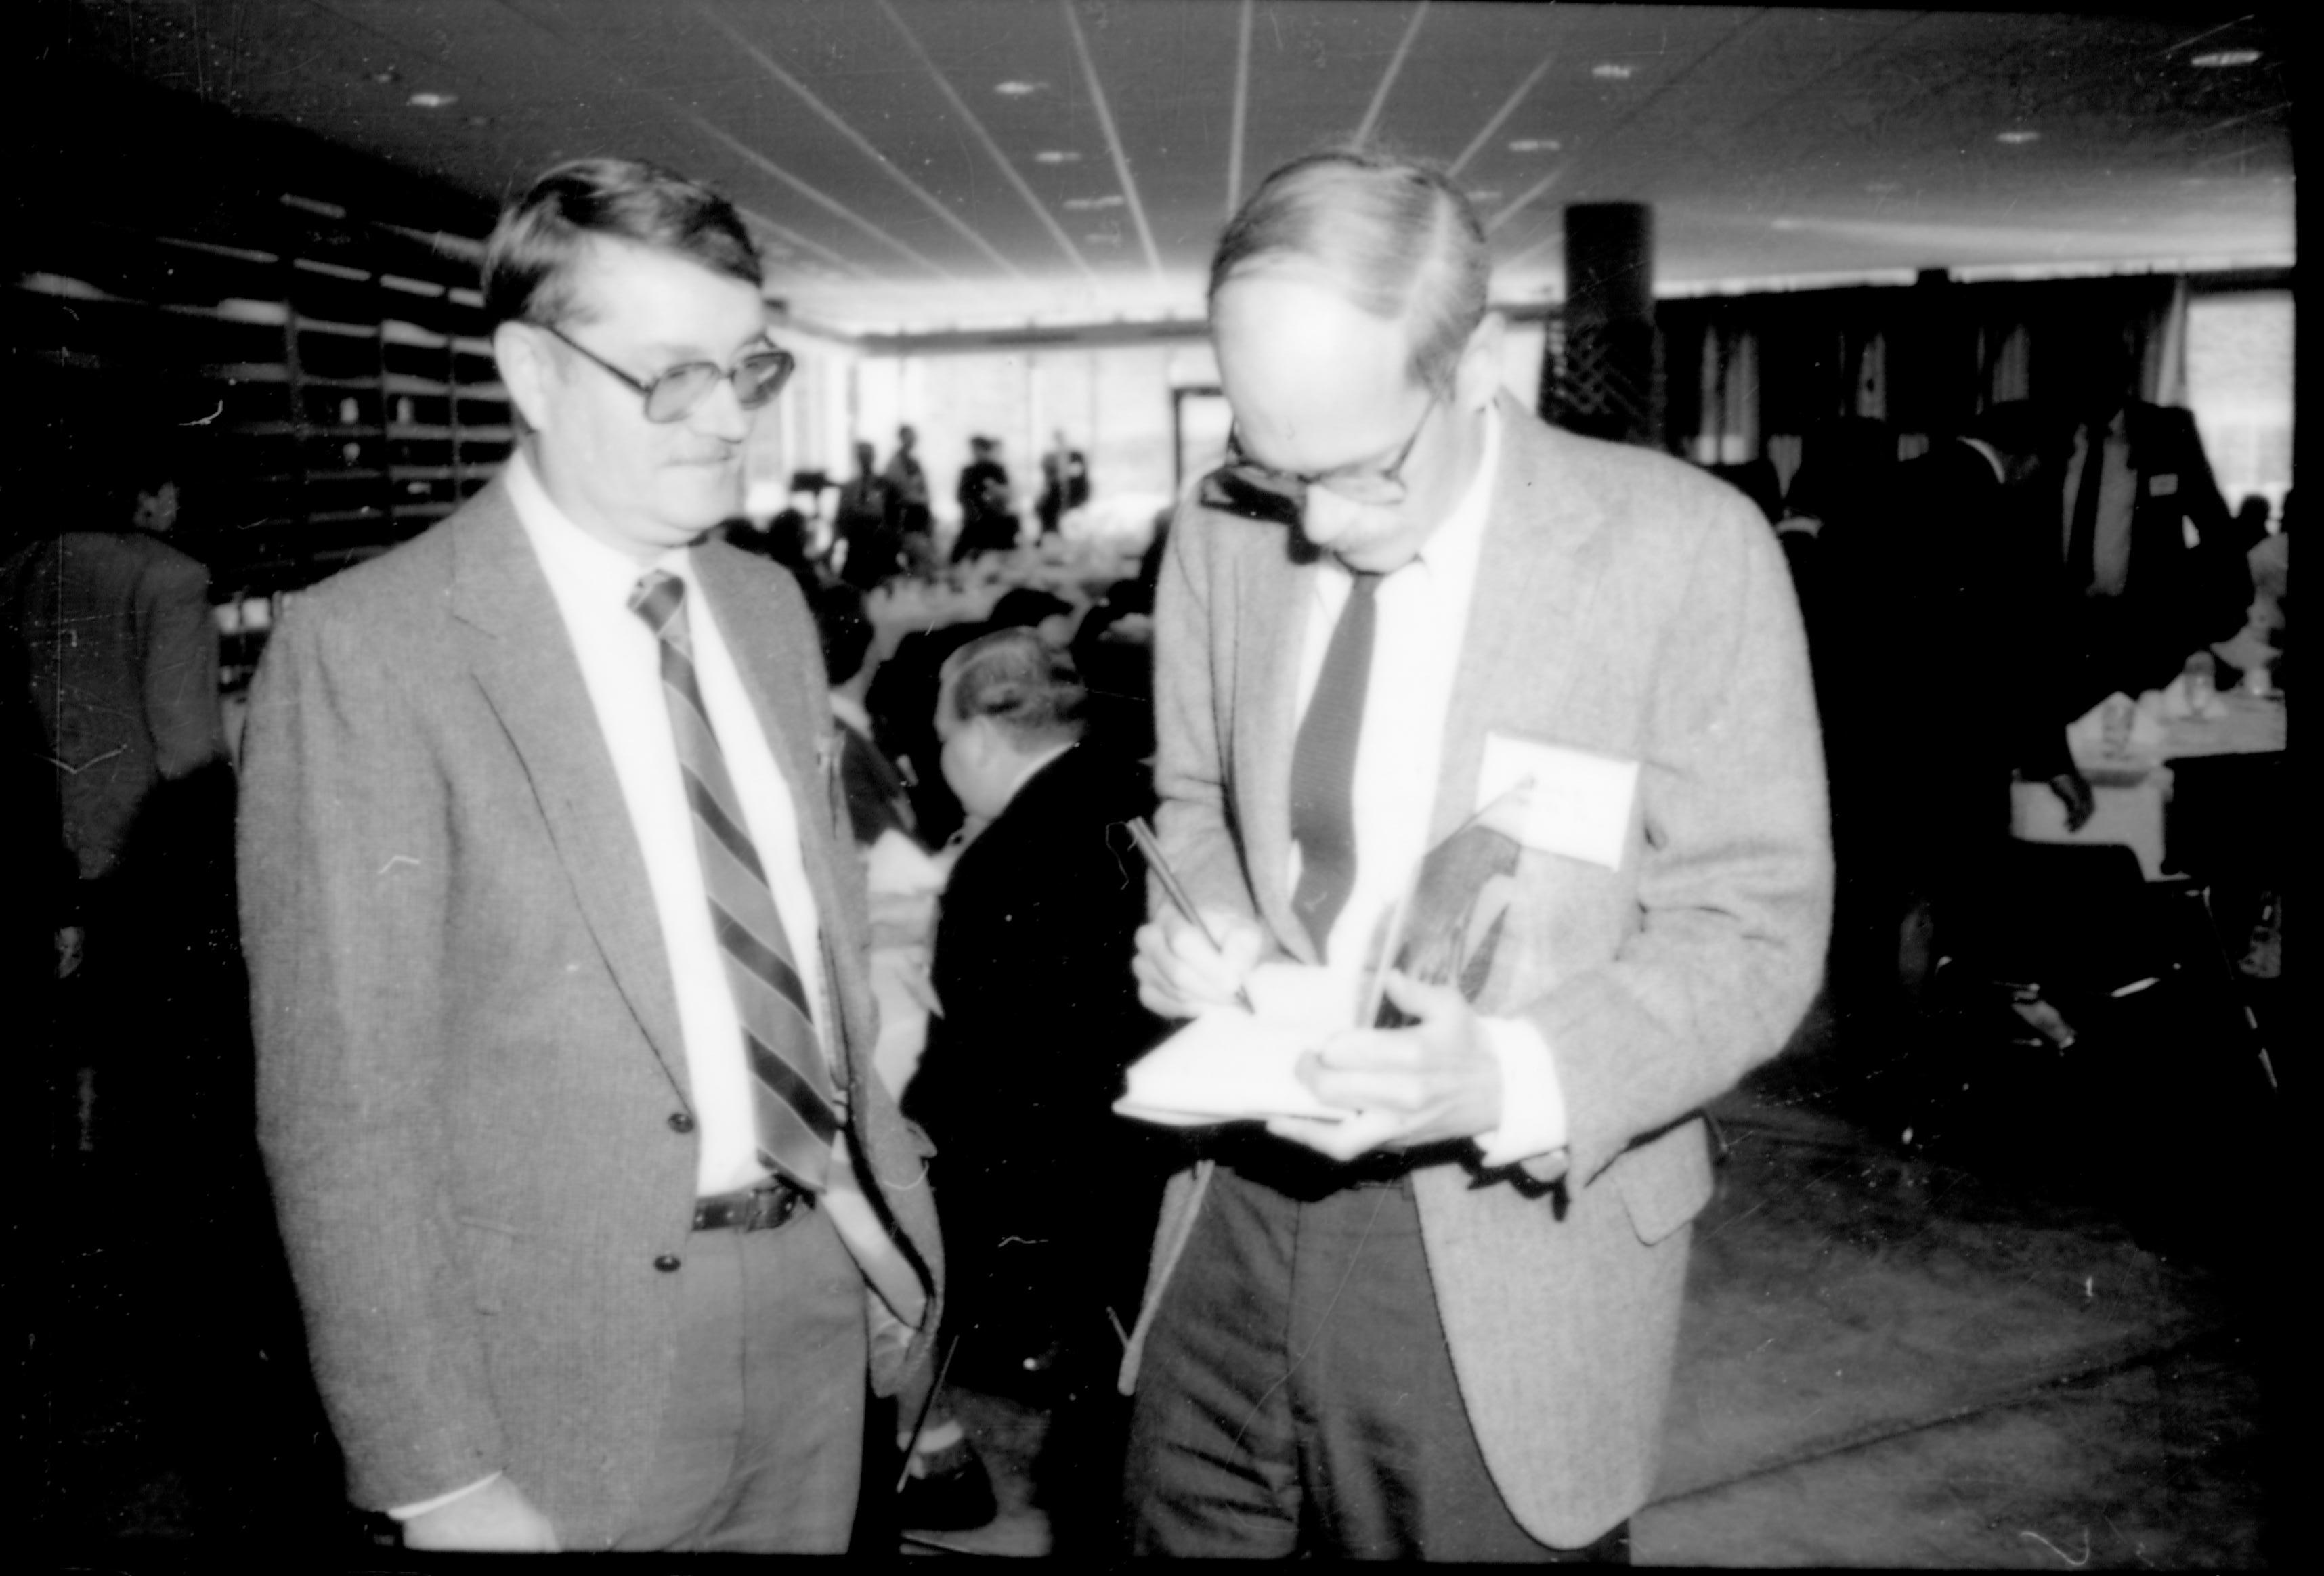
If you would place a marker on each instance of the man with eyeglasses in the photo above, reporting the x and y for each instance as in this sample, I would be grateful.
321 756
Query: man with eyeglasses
1527 715
599 1217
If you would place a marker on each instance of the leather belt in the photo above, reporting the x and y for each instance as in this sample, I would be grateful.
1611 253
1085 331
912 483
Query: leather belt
759 1208
1301 1174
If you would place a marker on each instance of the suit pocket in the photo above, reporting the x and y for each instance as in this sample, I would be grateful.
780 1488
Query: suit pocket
1666 1183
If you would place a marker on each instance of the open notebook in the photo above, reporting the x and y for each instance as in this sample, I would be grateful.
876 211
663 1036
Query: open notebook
1231 1065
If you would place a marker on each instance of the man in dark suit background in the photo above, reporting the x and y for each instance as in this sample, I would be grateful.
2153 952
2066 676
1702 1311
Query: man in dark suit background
2145 576
596 1208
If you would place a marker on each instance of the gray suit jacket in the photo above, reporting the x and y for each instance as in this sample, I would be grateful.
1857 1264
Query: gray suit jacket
469 1053
1630 606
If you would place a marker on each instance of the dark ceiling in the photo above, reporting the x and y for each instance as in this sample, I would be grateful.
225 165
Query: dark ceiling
920 164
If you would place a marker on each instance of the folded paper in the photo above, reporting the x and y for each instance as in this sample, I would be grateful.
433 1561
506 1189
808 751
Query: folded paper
1576 802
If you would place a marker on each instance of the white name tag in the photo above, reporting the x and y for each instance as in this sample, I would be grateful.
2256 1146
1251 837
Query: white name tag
2163 484
1571 801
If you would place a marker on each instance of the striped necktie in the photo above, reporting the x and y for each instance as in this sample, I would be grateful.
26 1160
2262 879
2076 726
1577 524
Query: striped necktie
798 1115
1323 768
791 1094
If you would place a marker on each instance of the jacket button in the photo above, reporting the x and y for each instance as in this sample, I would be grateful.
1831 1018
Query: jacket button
667 1264
679 1122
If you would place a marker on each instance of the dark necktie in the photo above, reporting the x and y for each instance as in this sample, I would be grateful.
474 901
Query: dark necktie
2082 541
1323 768
791 1094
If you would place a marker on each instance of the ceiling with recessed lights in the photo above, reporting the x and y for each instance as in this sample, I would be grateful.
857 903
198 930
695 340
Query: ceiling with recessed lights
914 165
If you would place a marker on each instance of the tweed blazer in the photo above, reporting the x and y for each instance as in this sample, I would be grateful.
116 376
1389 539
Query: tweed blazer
471 1076
1627 605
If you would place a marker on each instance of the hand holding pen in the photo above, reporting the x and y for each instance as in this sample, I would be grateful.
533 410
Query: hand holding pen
1186 961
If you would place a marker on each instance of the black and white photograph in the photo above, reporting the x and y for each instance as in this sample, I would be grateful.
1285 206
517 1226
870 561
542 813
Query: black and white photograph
1414 781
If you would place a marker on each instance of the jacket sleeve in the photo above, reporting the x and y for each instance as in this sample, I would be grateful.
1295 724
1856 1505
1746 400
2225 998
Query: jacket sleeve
1191 722
180 667
1734 889
344 865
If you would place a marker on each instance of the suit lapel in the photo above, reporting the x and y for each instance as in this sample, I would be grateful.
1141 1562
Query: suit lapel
1275 599
523 658
1534 583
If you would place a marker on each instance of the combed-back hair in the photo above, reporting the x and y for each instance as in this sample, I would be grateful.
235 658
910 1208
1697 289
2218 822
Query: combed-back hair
1399 238
528 261
1029 688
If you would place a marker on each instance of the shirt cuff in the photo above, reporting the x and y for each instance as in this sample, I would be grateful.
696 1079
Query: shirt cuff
1532 1102
409 1512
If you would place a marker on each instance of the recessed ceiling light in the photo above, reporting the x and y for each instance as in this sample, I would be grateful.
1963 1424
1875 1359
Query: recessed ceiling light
2018 139
1535 145
1057 156
1112 199
1014 88
1608 71
431 100
2226 58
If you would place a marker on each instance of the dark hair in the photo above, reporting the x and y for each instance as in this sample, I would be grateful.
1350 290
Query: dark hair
1397 236
528 261
845 632
1029 688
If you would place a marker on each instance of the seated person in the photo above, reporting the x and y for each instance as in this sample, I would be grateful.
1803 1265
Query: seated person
1039 1012
1049 1197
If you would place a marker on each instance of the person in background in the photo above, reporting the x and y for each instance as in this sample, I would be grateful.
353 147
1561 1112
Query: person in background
122 653
987 522
1968 679
599 1214
2146 569
120 656
861 519
1443 1325
1050 1196
909 524
1064 483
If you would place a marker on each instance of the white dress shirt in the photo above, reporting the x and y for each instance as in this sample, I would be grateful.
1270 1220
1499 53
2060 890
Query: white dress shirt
1421 625
621 662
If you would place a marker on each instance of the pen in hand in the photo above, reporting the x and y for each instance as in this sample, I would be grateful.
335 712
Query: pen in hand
1151 848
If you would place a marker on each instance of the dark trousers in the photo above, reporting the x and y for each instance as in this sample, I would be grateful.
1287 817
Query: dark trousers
1296 1396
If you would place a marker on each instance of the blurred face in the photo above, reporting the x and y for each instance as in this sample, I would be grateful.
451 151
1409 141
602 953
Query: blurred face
1321 390
977 764
641 486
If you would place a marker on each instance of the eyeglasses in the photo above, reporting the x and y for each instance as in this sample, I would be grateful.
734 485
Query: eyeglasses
672 396
1244 486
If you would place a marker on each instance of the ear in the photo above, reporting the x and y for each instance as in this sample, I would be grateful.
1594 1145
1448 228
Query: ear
986 743
1477 380
525 370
